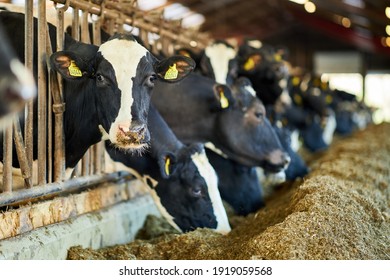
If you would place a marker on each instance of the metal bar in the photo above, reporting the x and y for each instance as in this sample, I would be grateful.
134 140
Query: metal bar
28 58
58 104
57 188
85 163
42 96
85 38
22 157
136 21
49 132
7 160
75 24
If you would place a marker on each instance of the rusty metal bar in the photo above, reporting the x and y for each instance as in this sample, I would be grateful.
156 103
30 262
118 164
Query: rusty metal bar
97 150
75 24
57 188
7 160
85 38
136 21
42 95
85 163
58 102
28 58
21 154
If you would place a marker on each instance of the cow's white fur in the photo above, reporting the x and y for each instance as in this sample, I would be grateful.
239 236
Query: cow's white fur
125 67
208 173
251 90
27 84
329 129
220 55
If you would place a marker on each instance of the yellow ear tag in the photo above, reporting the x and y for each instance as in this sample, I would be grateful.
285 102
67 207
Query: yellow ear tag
298 99
296 81
74 70
171 73
278 57
167 164
249 64
328 99
223 100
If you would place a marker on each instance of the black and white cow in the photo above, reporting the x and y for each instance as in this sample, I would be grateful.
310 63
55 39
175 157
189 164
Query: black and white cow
265 69
183 183
16 82
315 119
239 185
107 89
219 62
199 110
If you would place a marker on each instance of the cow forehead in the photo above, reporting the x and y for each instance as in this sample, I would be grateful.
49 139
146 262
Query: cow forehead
124 56
220 55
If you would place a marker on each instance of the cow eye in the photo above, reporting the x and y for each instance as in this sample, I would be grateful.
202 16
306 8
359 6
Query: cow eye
151 79
259 115
99 78
196 192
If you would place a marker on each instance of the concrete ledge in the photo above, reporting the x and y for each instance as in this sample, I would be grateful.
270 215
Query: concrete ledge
116 224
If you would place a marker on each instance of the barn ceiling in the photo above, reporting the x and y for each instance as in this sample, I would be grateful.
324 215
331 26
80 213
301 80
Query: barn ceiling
360 24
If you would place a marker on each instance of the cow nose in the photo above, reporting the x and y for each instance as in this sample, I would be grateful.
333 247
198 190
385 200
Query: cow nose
286 160
136 133
139 132
279 157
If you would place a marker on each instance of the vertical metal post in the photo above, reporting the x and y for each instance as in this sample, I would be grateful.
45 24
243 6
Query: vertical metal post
22 157
98 148
28 58
58 106
7 159
75 24
42 96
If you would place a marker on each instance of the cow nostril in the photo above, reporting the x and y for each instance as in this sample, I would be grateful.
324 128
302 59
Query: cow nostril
287 160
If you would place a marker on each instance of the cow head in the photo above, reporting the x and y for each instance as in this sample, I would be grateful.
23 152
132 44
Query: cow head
219 62
238 185
122 73
266 71
16 82
188 193
247 134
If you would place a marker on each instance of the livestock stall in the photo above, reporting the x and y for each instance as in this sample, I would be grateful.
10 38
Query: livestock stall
43 211
340 210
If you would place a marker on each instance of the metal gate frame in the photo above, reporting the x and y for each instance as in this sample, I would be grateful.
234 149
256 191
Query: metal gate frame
113 16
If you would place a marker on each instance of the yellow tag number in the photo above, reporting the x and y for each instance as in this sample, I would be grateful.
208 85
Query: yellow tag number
74 70
171 73
167 164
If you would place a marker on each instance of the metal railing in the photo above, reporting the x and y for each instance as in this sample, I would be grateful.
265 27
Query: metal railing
112 16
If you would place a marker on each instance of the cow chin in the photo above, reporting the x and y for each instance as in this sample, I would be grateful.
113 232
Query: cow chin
131 147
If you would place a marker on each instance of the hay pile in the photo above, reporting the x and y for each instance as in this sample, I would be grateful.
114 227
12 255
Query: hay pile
341 210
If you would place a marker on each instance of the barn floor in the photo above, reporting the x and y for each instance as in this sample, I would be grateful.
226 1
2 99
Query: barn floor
340 211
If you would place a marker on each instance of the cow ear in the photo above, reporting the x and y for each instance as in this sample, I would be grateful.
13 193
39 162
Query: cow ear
223 95
174 68
252 62
69 65
166 163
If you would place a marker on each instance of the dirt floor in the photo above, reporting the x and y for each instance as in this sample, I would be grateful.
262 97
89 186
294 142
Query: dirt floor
341 210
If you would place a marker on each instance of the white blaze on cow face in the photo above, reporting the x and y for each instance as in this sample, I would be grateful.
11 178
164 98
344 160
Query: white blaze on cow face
125 67
220 55
208 173
250 90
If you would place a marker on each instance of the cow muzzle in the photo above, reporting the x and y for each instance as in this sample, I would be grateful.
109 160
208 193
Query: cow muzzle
136 134
277 161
